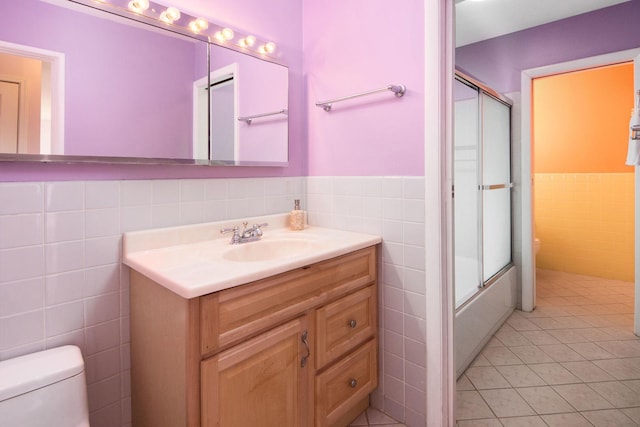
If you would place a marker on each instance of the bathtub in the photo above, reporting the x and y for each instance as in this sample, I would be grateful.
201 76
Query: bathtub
482 315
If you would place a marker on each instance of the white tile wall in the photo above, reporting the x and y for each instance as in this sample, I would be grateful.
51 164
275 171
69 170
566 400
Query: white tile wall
394 208
61 281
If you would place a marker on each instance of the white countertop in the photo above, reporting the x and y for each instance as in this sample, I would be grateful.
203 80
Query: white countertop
194 260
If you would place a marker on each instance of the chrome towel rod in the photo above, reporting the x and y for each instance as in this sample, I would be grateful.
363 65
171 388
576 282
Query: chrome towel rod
248 119
398 90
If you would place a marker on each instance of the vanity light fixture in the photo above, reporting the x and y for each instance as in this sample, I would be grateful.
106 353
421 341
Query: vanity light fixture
198 25
247 41
170 15
138 6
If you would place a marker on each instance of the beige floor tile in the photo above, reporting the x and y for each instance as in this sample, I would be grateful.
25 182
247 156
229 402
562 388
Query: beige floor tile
617 393
587 371
608 418
500 356
633 413
532 421
595 334
463 384
568 335
379 418
520 376
486 377
629 348
360 421
506 403
633 385
522 324
512 338
554 373
488 422
581 397
572 322
561 352
470 405
620 369
530 354
590 351
544 400
547 323
566 420
480 360
540 337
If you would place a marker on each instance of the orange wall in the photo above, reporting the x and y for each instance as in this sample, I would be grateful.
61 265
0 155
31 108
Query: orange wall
581 120
584 193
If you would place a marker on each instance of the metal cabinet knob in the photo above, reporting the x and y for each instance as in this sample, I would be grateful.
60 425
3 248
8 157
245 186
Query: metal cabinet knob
353 383
353 324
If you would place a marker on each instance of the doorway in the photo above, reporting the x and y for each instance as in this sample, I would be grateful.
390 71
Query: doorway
527 231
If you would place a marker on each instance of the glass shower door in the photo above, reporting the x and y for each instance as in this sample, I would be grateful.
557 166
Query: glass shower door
466 179
482 189
496 186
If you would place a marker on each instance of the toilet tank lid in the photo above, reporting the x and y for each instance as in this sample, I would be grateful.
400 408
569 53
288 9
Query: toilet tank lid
36 370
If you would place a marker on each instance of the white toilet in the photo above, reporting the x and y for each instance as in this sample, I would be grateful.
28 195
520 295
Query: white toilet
44 389
536 245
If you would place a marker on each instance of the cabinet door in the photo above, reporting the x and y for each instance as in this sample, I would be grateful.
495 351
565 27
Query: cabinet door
261 382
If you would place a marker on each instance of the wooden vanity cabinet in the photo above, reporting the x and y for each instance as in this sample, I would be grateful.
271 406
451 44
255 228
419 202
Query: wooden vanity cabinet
295 349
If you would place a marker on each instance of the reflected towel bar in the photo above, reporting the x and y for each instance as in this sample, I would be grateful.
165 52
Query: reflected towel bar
248 119
398 90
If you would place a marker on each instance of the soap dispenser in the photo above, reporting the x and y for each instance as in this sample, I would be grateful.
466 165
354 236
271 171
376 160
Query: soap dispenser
296 217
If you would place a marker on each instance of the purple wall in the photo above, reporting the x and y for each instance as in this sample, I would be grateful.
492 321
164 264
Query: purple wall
269 16
356 46
498 62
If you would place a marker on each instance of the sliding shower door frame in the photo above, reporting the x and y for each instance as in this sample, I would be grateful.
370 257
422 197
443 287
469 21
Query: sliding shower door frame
483 89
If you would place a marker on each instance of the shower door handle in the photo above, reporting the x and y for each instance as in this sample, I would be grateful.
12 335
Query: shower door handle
497 186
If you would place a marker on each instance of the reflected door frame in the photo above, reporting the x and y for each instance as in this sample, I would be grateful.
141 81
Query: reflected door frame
54 144
526 174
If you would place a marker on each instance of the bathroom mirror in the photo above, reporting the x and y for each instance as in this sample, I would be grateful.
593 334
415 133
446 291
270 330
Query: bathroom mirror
101 87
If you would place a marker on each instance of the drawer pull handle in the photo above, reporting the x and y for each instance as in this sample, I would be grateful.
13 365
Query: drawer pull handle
353 383
353 324
303 362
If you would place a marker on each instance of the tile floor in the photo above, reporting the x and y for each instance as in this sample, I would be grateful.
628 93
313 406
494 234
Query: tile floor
574 361
373 417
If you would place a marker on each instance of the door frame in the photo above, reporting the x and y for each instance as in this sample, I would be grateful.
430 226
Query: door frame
527 229
55 144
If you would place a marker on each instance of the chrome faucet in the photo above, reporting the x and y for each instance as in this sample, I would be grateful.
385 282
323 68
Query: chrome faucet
247 235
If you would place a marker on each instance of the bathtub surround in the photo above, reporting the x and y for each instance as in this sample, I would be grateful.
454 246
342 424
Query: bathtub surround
61 281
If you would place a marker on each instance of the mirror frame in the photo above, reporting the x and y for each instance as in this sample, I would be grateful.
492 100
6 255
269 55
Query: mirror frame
98 8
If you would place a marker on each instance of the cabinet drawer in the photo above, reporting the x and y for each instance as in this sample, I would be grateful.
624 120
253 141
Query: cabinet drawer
346 383
345 324
233 314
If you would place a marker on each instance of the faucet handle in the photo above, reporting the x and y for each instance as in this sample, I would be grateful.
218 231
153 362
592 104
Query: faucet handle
236 234
257 228
229 230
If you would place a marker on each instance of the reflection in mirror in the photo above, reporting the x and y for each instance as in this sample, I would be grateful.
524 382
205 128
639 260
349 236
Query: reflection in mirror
249 107
106 87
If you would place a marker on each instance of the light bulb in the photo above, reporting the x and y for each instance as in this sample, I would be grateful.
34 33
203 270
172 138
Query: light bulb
170 15
267 48
201 24
138 6
227 33
224 35
270 47
247 41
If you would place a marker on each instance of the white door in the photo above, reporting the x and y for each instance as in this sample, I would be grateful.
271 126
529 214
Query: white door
9 107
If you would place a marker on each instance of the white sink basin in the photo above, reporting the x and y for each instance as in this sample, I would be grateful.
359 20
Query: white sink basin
195 260
265 250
